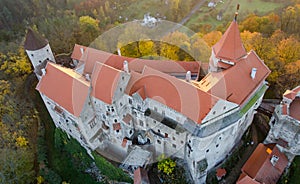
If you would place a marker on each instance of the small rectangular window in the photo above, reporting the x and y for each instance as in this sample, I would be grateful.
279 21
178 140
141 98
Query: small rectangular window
141 123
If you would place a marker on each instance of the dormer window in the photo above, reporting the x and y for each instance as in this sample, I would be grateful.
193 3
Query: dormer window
274 160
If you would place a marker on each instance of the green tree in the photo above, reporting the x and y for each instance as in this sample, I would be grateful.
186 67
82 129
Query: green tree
16 166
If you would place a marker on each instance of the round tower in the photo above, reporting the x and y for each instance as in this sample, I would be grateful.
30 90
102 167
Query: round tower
38 51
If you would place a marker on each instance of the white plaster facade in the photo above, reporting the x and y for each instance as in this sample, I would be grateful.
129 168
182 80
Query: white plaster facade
285 128
164 131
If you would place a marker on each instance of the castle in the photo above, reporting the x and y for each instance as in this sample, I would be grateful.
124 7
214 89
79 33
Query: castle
284 124
269 160
133 110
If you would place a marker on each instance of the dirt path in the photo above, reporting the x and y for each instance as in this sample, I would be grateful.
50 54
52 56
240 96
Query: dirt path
186 18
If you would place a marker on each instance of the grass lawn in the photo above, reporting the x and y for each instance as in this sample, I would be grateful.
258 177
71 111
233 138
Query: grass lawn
206 15
138 9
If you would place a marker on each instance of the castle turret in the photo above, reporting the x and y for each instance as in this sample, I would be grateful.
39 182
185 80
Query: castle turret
38 51
228 50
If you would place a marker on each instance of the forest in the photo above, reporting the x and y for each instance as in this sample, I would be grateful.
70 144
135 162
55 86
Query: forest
25 154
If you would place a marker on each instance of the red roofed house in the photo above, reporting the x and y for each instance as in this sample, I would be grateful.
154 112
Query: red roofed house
221 172
141 176
265 165
285 124
114 103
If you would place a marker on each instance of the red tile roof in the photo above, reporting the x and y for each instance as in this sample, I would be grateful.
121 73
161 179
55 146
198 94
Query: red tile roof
284 109
141 176
245 179
295 108
142 92
230 46
104 82
172 92
291 94
220 173
91 56
259 166
235 84
65 87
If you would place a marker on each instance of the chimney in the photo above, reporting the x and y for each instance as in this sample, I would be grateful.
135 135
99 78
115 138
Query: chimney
87 77
125 66
188 76
43 71
81 50
119 52
253 73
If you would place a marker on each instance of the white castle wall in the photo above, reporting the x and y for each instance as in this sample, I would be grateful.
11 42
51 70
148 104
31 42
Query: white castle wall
38 56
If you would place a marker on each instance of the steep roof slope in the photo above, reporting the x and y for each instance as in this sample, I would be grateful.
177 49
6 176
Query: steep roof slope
34 41
235 84
90 56
177 94
259 166
65 87
230 46
104 82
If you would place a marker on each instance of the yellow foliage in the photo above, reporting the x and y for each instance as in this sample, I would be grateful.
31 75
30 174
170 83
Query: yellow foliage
15 64
166 165
40 180
21 141
212 38
87 20
289 50
247 38
147 48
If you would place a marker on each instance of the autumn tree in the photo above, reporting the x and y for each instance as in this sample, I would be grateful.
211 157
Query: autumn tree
200 50
88 30
290 20
129 41
172 44
147 48
212 38
61 31
166 165
15 64
265 25
289 50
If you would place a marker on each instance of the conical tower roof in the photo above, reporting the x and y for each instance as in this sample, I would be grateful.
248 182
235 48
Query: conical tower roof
34 41
230 46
